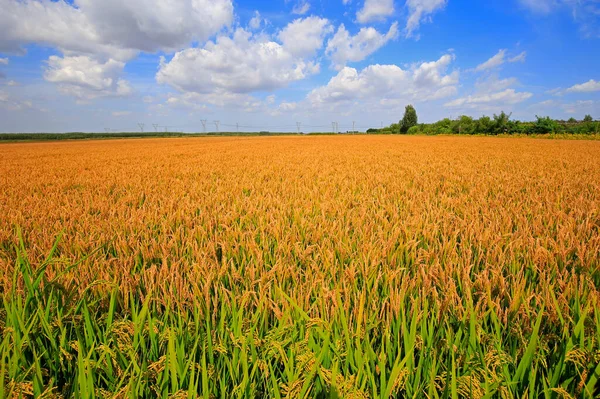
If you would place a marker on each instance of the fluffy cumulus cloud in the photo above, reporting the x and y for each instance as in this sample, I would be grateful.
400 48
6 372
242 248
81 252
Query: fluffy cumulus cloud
303 37
375 10
388 85
343 47
96 37
85 78
232 67
587 87
114 28
420 11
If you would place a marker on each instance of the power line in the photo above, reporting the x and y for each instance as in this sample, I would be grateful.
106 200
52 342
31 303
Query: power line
217 125
203 125
141 125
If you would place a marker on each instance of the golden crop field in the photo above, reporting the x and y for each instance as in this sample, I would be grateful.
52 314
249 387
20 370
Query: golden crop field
301 267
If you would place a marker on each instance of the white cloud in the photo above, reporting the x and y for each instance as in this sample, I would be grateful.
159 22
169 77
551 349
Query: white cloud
301 8
499 59
288 106
519 58
388 84
580 107
86 78
96 37
419 11
256 21
586 87
493 62
121 113
375 10
9 103
226 70
493 84
343 48
585 12
219 98
114 28
3 61
490 101
303 37
539 6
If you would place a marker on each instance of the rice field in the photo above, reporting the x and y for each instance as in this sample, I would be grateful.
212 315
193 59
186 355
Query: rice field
300 267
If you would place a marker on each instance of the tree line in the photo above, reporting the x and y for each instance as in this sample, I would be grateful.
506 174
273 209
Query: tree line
498 124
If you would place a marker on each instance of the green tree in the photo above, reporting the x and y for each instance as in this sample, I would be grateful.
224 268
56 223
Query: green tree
588 118
572 120
545 125
501 123
464 125
409 119
484 125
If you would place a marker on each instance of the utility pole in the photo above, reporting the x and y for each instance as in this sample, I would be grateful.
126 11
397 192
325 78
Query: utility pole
141 125
353 125
298 125
203 125
332 127
155 125
217 125
237 127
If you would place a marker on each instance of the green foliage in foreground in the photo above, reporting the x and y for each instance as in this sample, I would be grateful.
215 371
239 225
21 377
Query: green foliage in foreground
56 345
498 125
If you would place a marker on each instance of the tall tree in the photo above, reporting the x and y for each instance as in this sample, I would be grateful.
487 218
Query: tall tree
409 119
588 118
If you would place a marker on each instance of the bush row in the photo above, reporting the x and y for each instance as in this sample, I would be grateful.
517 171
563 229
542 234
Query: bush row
498 124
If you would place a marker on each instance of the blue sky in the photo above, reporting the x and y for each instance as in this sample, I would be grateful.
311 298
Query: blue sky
91 65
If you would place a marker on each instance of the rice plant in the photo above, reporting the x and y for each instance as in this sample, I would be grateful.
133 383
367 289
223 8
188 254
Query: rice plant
311 267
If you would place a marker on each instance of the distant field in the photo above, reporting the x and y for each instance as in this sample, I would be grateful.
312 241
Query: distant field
300 267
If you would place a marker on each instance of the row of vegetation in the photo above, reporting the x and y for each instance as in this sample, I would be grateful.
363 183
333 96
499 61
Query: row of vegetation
498 124
119 135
